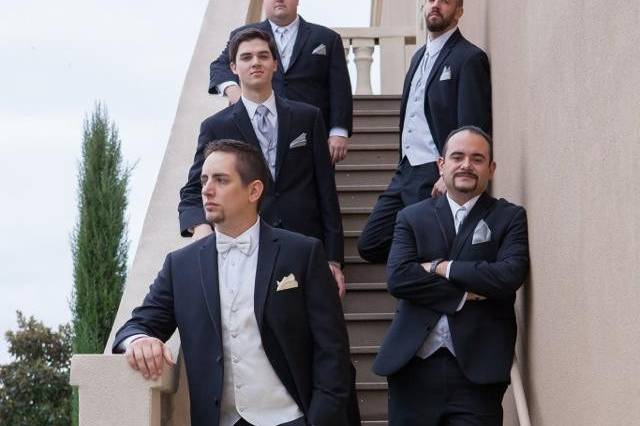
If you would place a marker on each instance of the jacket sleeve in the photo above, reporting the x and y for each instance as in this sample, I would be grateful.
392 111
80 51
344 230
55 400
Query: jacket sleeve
502 278
220 70
340 97
190 210
155 317
474 93
327 193
407 279
331 366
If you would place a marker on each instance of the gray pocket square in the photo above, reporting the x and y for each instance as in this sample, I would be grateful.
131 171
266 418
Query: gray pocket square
482 233
321 49
301 140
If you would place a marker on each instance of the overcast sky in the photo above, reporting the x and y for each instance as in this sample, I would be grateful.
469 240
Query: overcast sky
57 58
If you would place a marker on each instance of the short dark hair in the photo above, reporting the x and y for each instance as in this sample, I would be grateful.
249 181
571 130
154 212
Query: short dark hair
250 164
247 35
460 3
471 129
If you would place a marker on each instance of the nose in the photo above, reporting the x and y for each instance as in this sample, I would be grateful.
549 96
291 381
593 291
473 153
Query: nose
207 189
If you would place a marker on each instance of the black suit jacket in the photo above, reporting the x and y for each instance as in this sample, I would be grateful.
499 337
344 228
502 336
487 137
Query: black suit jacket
303 197
464 99
319 80
483 332
302 329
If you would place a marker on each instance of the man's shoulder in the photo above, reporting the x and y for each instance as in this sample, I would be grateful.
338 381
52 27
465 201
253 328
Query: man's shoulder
299 107
294 239
321 29
420 208
507 207
221 116
466 48
259 24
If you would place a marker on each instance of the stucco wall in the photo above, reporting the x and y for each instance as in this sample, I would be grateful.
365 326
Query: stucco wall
566 88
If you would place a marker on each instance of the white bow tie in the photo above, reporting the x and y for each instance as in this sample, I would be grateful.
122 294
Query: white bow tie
224 244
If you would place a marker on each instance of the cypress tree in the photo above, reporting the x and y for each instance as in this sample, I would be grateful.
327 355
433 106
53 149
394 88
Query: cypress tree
99 241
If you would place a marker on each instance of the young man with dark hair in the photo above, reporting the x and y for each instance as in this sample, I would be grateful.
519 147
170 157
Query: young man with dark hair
261 326
301 195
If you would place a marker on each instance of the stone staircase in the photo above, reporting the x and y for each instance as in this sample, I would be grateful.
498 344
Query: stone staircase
360 178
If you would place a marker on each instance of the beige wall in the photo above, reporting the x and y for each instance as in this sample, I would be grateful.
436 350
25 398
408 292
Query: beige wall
566 85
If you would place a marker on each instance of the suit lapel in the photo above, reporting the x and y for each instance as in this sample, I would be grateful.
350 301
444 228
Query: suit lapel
243 123
267 255
479 211
209 281
445 221
284 123
446 49
302 37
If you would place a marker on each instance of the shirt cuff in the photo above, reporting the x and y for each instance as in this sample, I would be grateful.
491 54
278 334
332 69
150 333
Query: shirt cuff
126 342
461 304
446 275
337 131
223 86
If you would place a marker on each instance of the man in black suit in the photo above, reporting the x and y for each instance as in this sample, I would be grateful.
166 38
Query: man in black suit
261 327
301 195
455 265
448 86
311 69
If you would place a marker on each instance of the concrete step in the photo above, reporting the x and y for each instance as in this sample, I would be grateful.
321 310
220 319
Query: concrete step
363 272
372 154
368 297
354 218
374 117
359 195
376 102
375 136
373 401
367 329
365 174
363 357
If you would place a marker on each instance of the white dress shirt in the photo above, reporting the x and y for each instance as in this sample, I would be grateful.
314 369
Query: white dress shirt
440 336
285 38
251 389
270 104
417 141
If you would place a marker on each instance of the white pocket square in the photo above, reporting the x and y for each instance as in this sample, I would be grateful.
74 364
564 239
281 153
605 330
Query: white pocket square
299 141
482 233
286 283
321 49
446 73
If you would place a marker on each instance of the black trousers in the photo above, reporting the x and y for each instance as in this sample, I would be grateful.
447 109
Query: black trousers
435 392
409 185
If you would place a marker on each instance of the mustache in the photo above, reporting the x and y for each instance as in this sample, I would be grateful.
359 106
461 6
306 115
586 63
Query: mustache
466 174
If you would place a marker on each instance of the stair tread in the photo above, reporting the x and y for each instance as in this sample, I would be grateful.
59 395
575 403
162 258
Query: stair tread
381 97
365 112
361 188
375 316
376 129
373 147
354 259
364 349
359 167
366 286
371 386
356 210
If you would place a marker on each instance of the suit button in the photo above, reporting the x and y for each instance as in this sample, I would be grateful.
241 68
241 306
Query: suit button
218 359
216 401
277 223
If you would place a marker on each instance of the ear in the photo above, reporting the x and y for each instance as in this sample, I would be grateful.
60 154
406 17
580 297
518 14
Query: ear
256 188
232 65
492 169
440 165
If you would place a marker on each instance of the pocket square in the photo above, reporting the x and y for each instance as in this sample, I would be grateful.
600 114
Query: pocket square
321 49
446 73
299 141
482 233
286 283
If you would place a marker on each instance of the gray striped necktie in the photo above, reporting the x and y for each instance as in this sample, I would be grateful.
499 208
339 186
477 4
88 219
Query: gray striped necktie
269 132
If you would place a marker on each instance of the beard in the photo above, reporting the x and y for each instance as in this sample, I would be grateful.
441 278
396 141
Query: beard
214 217
439 24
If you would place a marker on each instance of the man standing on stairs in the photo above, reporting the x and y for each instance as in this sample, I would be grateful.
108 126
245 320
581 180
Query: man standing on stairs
311 69
447 86
261 327
455 265
301 195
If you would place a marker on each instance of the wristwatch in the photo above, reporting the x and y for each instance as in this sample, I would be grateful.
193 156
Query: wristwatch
434 265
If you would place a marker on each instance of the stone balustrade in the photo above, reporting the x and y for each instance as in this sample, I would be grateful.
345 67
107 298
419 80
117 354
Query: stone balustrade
396 45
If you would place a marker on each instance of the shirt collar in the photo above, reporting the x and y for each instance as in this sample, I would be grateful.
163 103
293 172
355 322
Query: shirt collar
291 27
253 232
468 205
435 46
251 106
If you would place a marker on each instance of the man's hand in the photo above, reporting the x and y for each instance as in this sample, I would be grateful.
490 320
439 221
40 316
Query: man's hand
201 231
439 188
337 148
339 277
233 93
147 355
472 297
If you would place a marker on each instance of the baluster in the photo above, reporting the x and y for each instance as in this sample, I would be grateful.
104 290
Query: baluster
363 57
